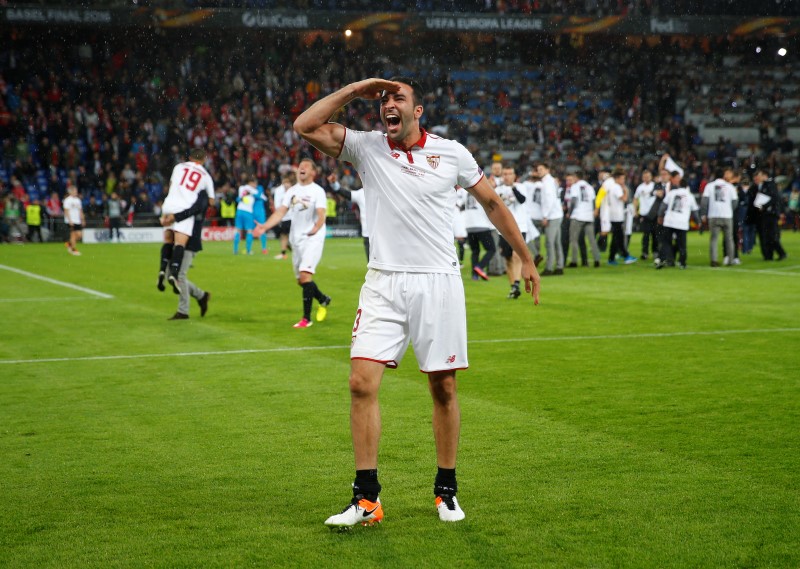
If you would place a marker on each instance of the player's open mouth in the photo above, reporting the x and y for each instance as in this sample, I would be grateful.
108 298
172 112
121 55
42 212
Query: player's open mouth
392 120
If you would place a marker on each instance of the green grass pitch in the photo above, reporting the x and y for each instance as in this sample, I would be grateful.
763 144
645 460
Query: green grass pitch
636 418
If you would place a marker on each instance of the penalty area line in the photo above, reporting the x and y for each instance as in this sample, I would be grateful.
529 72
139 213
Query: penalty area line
321 348
55 282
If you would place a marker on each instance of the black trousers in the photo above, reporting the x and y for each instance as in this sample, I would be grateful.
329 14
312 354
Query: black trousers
649 239
617 241
475 240
769 237
667 251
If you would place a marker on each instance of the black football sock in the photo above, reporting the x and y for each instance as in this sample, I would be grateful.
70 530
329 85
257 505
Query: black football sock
308 298
366 484
177 260
166 255
516 285
318 294
445 484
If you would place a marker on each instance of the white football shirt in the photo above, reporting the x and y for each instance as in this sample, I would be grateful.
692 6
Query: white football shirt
411 198
584 193
247 198
303 202
518 210
680 204
277 198
72 210
551 205
187 181
614 198
644 193
534 192
721 195
475 216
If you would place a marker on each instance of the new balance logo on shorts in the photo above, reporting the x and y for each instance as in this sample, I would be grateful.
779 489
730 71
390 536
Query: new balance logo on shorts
451 359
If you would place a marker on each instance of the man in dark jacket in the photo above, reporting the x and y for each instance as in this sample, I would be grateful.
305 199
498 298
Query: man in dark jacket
770 203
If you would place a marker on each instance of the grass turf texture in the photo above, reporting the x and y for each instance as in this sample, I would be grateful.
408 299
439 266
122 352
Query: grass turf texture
637 418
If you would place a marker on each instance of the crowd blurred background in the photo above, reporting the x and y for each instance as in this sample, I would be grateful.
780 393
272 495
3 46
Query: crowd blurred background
112 111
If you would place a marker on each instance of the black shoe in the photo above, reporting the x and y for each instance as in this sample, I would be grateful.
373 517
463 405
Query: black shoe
179 316
714 264
643 257
160 284
572 266
597 264
326 301
203 302
548 274
782 257
558 272
173 280
514 293
537 260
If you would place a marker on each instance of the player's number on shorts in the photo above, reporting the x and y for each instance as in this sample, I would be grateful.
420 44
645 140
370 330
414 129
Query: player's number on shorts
358 320
194 178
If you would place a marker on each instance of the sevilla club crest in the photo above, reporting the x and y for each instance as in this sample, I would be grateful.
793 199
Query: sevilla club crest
433 161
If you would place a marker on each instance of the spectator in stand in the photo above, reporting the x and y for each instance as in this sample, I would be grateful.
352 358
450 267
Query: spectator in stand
33 218
113 212
53 210
227 207
12 215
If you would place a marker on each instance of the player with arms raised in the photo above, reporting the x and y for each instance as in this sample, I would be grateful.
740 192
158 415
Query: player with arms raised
413 290
187 181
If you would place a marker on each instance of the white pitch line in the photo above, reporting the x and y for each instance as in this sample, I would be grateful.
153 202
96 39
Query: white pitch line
721 270
55 282
47 299
491 341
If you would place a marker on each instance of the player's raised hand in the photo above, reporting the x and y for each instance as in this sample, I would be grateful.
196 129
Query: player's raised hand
373 88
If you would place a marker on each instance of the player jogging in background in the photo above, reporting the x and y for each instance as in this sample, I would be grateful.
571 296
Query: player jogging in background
284 227
260 214
74 218
413 290
187 180
307 202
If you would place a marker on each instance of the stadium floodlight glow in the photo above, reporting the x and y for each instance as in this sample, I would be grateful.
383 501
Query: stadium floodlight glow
348 33
758 49
782 51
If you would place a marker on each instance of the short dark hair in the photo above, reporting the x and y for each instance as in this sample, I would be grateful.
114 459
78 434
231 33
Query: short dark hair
416 87
198 154
545 164
617 173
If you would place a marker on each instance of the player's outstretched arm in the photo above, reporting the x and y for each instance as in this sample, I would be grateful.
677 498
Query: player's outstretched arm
272 221
314 126
503 220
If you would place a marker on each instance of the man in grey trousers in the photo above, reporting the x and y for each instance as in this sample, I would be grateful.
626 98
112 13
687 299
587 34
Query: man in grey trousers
717 205
195 244
552 213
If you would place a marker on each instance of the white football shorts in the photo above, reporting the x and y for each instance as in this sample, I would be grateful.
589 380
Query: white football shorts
306 253
426 309
186 226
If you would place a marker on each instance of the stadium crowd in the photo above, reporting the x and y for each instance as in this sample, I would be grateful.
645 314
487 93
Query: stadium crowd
597 8
104 114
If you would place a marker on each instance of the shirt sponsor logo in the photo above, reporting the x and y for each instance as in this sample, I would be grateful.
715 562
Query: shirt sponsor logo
433 161
451 359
